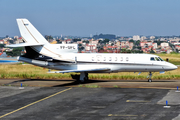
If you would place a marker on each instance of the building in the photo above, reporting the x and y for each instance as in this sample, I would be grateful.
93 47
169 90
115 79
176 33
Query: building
152 37
143 38
163 45
16 37
136 37
90 48
1 41
154 45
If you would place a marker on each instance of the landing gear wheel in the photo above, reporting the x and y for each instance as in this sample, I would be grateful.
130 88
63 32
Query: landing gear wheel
150 75
149 80
86 77
83 77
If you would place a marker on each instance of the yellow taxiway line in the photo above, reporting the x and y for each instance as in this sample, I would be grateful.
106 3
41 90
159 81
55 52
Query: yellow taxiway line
34 102
137 101
118 115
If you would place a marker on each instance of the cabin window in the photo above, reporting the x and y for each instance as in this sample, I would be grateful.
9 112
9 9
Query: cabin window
121 58
127 59
92 58
161 59
115 58
152 59
157 59
98 59
104 58
110 58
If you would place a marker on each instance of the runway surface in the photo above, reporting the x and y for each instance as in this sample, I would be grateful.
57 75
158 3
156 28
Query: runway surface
82 103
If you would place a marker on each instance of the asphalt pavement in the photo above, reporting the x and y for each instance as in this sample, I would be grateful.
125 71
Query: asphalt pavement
83 103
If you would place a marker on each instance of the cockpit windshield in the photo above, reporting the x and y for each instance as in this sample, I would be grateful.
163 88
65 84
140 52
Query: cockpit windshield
156 59
161 59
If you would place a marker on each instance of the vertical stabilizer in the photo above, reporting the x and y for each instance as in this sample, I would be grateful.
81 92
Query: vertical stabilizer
29 33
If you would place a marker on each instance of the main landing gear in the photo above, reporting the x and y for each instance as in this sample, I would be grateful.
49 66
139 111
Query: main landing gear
82 77
150 75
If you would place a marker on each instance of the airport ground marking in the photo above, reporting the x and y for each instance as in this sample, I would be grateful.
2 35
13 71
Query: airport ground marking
35 102
137 101
165 88
120 115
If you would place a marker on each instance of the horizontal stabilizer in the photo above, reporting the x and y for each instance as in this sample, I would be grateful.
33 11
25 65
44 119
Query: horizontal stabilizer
25 44
86 70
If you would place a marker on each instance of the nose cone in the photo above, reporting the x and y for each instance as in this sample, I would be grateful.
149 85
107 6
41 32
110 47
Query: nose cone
170 67
174 67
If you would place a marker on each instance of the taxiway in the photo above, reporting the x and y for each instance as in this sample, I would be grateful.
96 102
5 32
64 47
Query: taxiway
70 101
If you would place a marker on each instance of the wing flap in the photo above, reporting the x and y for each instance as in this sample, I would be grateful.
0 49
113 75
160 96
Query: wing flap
85 70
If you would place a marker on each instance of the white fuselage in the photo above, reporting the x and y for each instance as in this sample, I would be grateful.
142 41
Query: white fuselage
115 62
120 62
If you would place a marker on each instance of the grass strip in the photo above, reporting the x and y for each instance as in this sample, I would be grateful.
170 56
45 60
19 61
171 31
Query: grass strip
34 72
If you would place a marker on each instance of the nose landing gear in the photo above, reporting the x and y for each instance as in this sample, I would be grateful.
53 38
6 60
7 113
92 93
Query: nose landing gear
150 75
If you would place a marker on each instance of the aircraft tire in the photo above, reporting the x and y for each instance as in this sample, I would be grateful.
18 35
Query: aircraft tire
149 80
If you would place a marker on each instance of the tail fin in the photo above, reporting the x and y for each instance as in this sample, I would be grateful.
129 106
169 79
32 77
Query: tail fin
29 33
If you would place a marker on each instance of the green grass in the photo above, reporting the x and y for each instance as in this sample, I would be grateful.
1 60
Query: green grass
34 72
80 85
115 86
173 58
92 86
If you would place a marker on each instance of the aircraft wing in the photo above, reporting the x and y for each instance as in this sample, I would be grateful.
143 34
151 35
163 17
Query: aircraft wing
85 70
25 44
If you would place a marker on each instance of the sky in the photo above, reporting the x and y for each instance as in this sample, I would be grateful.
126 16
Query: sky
86 17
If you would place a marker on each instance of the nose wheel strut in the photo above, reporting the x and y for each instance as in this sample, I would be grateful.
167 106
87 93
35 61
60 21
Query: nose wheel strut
150 75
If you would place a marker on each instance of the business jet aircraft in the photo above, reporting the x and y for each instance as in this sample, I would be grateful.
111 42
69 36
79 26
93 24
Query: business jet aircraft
64 57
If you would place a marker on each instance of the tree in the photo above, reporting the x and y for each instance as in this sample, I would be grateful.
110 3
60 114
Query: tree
152 51
158 42
100 41
137 43
2 45
131 40
58 41
86 42
48 37
106 41
80 47
15 52
11 41
76 39
125 51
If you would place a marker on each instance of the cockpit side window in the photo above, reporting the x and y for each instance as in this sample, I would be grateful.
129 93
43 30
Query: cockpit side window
152 59
157 59
161 59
